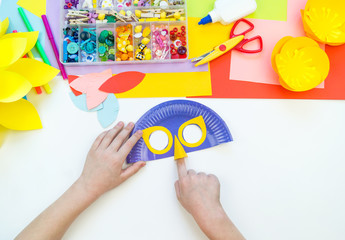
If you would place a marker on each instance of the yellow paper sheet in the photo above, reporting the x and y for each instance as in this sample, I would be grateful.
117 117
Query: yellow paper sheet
36 72
12 86
11 50
31 39
19 115
3 132
203 39
171 85
37 7
3 26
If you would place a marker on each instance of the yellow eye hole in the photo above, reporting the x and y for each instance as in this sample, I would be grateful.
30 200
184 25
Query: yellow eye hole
199 121
148 132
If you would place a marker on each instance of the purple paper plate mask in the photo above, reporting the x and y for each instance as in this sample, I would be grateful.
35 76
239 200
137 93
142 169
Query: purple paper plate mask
172 115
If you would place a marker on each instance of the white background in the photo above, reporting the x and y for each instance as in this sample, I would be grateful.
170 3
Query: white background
283 177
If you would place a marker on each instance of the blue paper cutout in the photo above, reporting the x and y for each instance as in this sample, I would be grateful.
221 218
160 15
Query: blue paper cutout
108 114
80 102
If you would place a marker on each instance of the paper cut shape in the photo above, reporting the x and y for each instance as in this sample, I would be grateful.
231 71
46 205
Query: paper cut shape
71 78
173 115
80 102
13 49
31 39
108 114
122 82
179 151
4 26
324 21
36 72
199 121
37 7
90 84
19 115
146 137
13 86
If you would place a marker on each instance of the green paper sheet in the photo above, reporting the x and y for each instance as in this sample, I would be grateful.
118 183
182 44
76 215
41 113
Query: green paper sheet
267 9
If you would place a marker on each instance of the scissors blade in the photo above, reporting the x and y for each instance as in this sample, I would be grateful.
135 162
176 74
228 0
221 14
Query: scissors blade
221 49
201 57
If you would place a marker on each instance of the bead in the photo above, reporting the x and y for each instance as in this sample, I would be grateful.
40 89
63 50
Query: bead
145 41
138 35
173 37
146 31
175 30
177 15
85 35
178 43
163 15
111 57
184 43
129 48
164 32
138 29
182 50
72 48
102 49
124 57
183 28
137 13
122 12
148 56
101 16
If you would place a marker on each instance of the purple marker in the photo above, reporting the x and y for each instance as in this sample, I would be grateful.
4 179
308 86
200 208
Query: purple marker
56 51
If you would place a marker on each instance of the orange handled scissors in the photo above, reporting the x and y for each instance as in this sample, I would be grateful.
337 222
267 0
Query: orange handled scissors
236 41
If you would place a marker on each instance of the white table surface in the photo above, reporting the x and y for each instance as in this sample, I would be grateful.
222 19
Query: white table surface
283 177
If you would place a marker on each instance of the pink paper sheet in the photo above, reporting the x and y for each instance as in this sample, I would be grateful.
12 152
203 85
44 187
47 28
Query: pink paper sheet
257 67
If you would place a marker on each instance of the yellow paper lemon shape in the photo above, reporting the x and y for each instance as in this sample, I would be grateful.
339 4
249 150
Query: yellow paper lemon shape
303 69
20 115
13 86
298 43
333 4
326 24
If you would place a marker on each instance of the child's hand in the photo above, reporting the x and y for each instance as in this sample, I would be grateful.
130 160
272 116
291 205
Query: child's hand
103 167
197 192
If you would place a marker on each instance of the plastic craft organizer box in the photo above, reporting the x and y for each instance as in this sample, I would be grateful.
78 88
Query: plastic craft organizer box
114 32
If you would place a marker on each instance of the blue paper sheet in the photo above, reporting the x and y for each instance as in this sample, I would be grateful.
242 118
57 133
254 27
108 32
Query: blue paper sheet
108 114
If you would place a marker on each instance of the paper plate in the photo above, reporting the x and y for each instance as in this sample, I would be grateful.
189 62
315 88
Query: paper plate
172 115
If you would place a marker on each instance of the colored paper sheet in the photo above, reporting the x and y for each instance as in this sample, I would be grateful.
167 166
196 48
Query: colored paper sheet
80 102
199 8
257 67
267 9
206 37
9 8
19 115
3 132
108 114
271 10
36 72
13 86
223 88
177 85
122 82
90 84
37 7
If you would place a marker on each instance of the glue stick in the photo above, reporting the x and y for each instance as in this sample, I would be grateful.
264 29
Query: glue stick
228 11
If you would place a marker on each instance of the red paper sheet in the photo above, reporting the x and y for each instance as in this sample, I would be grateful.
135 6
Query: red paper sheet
222 87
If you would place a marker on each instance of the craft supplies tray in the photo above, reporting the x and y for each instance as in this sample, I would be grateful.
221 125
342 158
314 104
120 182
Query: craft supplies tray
99 32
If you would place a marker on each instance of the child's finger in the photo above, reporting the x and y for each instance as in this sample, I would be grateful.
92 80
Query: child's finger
181 168
129 144
111 134
121 137
130 171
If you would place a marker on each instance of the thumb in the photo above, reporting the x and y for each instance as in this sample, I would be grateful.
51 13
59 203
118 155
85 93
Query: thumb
131 170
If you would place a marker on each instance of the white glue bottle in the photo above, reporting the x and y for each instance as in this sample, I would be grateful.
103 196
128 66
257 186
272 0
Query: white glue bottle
228 11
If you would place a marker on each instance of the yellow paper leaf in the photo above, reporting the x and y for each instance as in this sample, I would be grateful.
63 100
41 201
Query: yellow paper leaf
11 50
36 72
31 38
37 7
13 86
19 115
3 26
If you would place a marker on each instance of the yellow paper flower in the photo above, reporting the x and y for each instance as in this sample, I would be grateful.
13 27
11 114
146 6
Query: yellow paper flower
17 77
324 21
300 63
